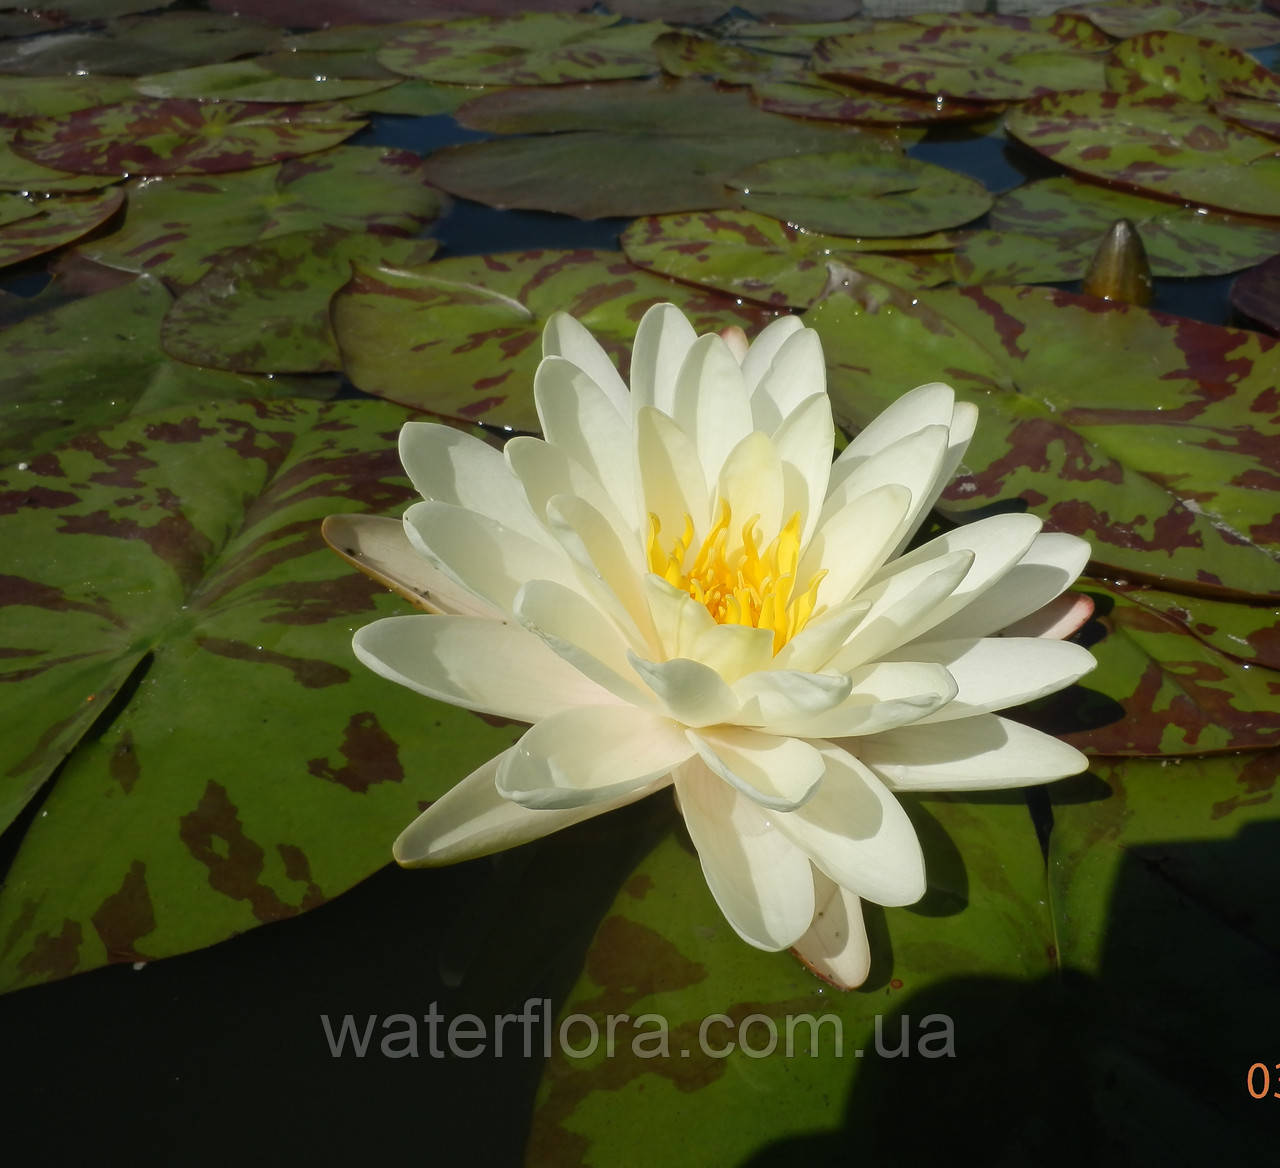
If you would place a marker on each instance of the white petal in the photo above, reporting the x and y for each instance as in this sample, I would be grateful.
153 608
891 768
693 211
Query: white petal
964 422
883 695
762 882
780 773
711 404
781 697
565 337
796 372
478 664
856 832
447 465
662 341
678 619
1060 618
751 483
852 543
805 441
995 672
692 693
671 480
591 754
733 651
975 754
814 646
1045 571
472 819
764 348
926 405
835 947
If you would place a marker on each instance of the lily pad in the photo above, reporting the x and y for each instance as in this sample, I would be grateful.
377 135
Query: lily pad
530 49
1230 25
1191 67
460 337
169 599
1261 116
1152 436
264 308
177 226
96 360
1257 294
969 59
776 263
21 174
157 137
866 192
684 54
1248 632
417 99
32 97
60 219
1171 147
249 81
816 97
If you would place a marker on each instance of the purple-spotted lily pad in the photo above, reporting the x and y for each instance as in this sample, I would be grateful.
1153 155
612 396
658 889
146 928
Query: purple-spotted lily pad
1261 116
58 220
460 337
156 137
249 81
684 54
862 192
1257 294
775 263
816 97
530 49
1171 147
264 308
969 59
177 559
177 226
33 97
21 174
1229 25
1197 69
1154 437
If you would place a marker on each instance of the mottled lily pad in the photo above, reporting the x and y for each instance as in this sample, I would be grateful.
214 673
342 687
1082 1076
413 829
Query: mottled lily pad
59 220
861 192
264 308
1230 25
1248 632
460 337
969 59
1171 147
249 81
530 49
33 97
1152 436
157 137
168 582
177 226
816 97
16 207
1262 116
758 257
21 174
684 54
1257 294
1192 67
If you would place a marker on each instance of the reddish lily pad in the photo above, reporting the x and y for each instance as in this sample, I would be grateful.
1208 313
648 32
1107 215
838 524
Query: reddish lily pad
156 137
861 192
969 59
1171 147
530 49
1261 116
758 257
169 587
250 81
1154 437
460 337
1191 67
1257 294
817 97
177 226
59 220
1229 25
264 308
21 174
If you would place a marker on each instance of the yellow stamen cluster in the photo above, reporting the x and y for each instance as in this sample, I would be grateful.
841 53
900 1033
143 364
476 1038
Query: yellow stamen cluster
742 586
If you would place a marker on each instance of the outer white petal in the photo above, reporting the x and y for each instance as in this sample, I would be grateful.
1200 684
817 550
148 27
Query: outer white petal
856 832
762 882
796 372
764 348
565 337
478 664
1049 566
591 754
662 342
782 697
452 467
472 819
835 947
691 692
926 405
804 442
852 543
884 695
711 404
964 422
776 772
993 673
974 754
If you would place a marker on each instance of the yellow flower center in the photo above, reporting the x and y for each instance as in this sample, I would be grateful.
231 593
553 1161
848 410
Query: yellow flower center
742 586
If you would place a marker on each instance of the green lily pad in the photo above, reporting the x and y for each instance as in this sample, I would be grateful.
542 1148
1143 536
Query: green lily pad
167 612
861 192
816 97
250 81
1248 632
177 226
1229 25
1070 217
686 54
17 207
1151 436
1260 116
158 137
536 48
96 360
1257 294
60 219
1191 67
351 65
970 59
418 99
21 174
461 336
758 257
1171 147
33 97
264 308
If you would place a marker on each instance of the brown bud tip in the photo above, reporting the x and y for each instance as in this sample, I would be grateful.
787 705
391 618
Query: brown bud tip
1119 268
736 339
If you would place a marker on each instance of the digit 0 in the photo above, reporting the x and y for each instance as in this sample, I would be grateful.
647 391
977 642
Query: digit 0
1251 1080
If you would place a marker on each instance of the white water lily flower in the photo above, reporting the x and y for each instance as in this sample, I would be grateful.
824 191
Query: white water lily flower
677 585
